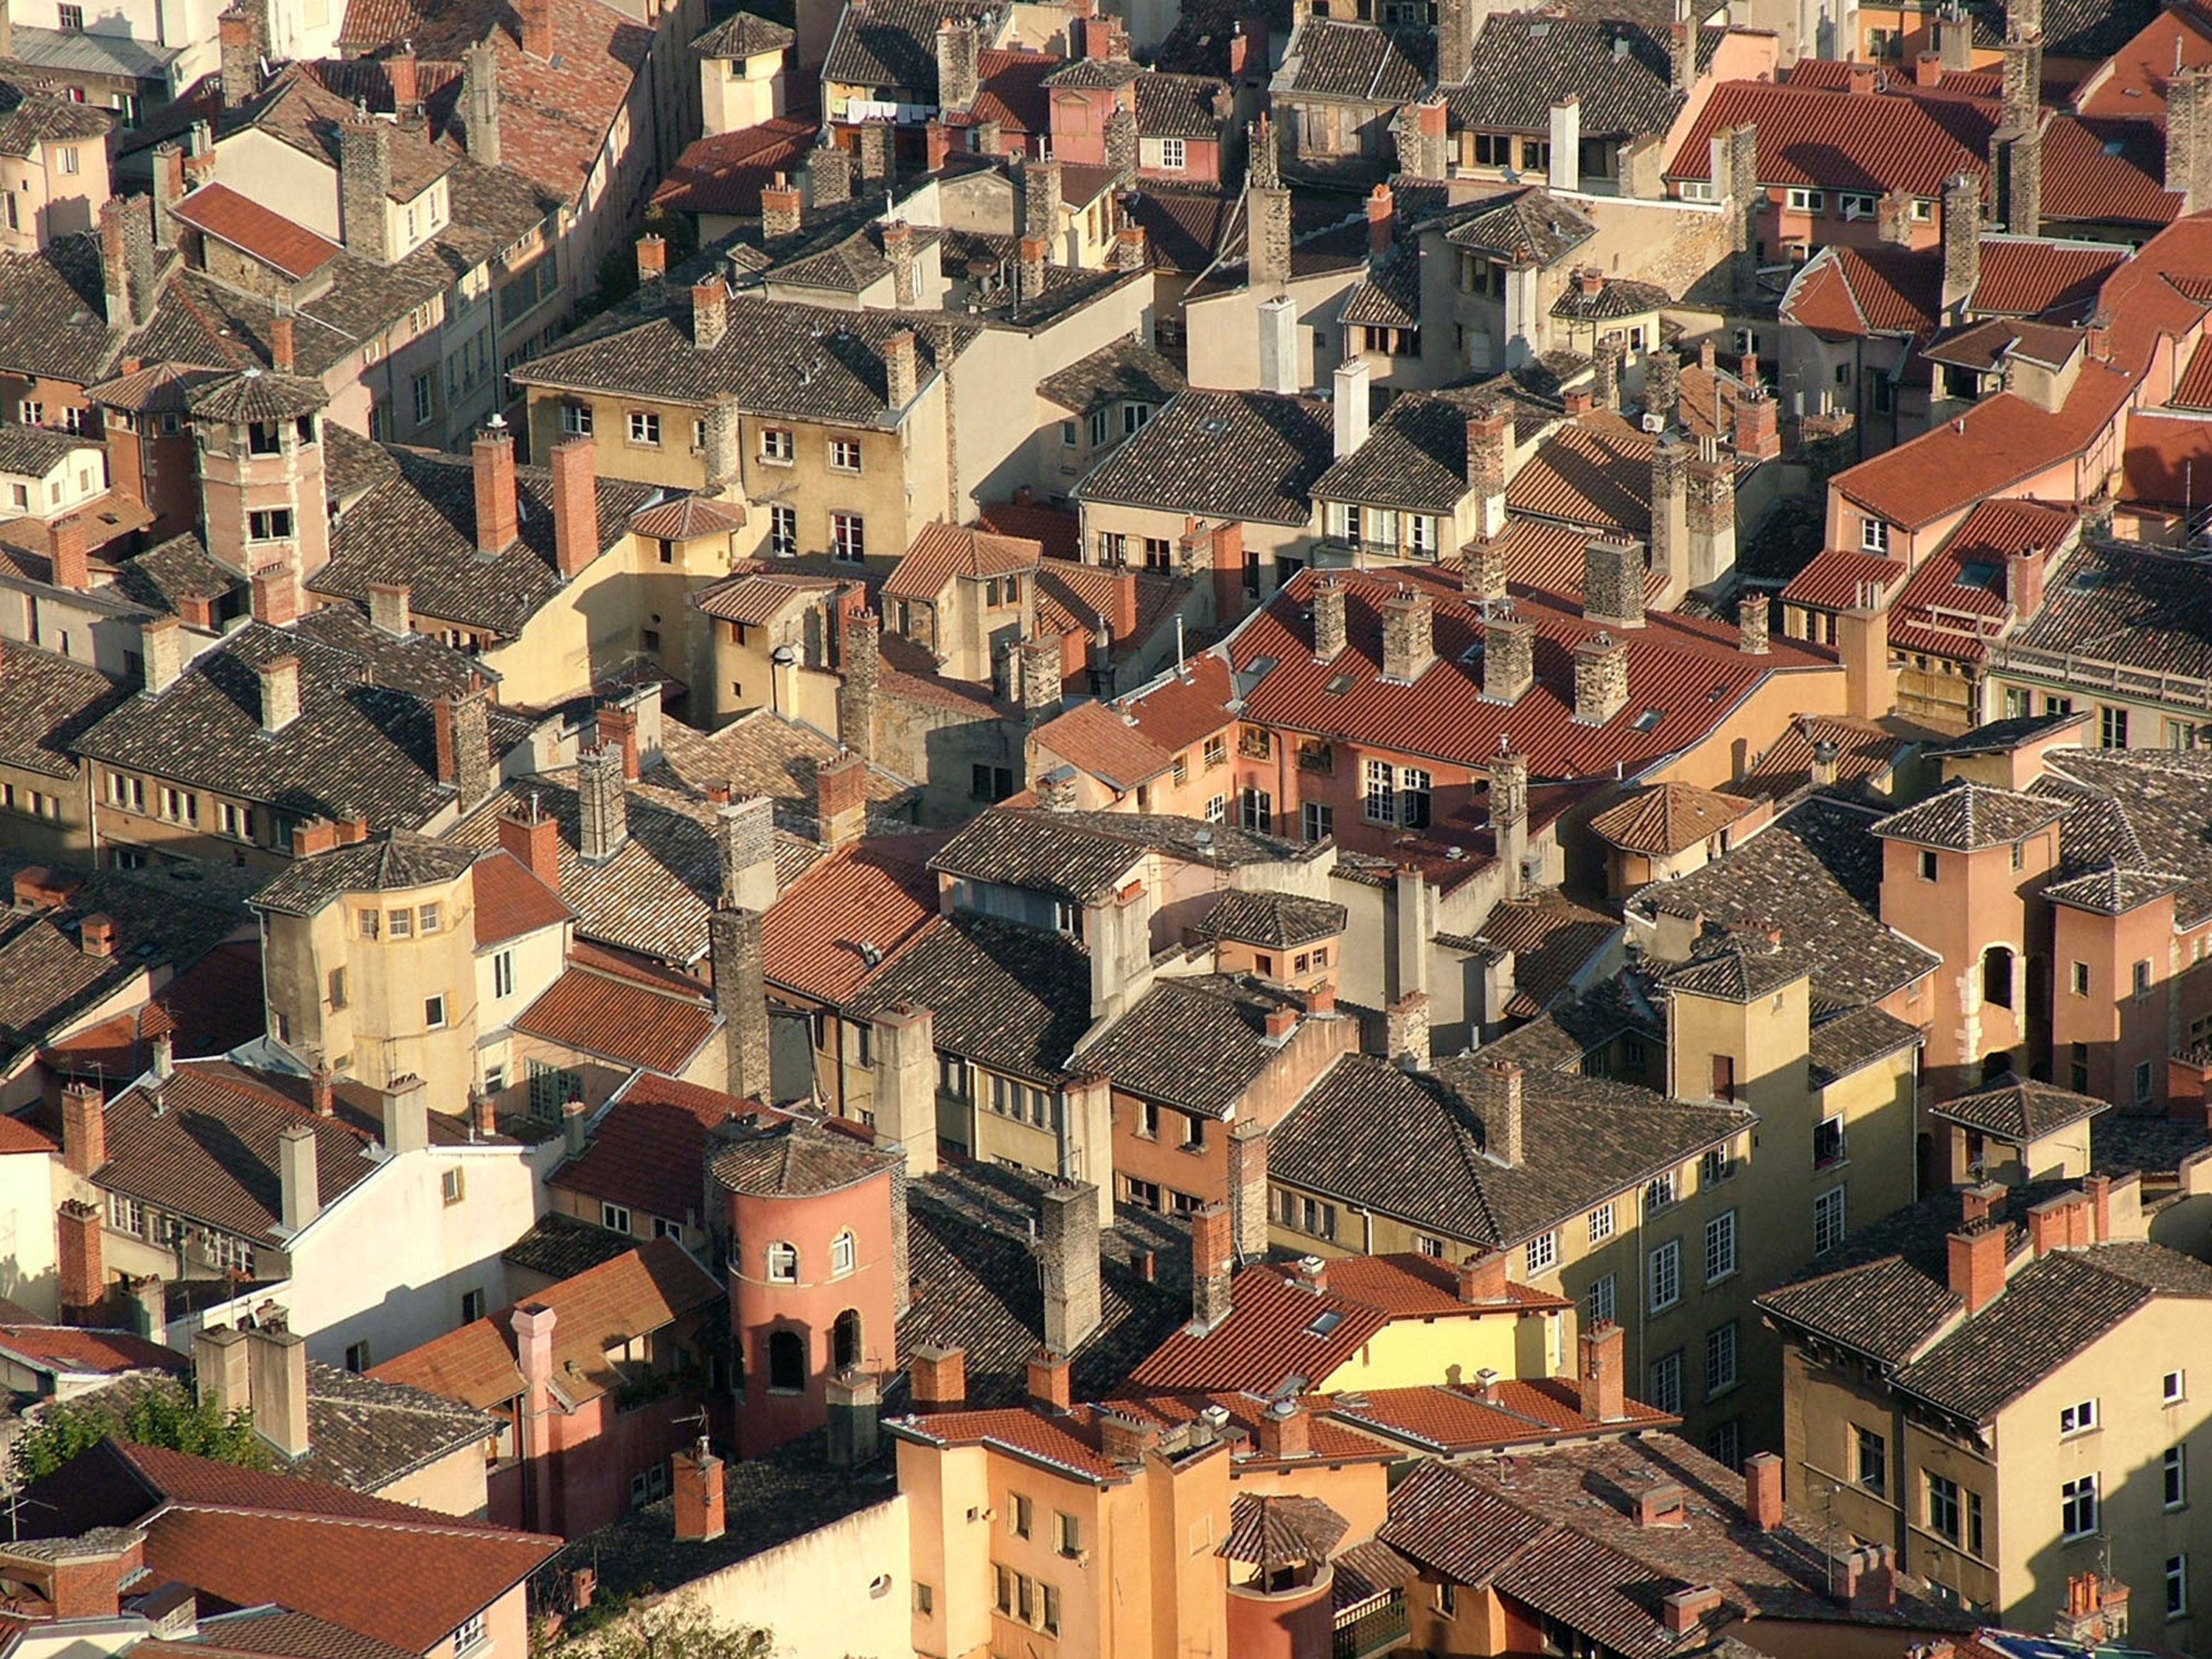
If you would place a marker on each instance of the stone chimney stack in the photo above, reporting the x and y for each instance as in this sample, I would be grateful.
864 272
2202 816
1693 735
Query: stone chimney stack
1509 657
782 212
1068 1255
856 692
744 833
1962 239
365 189
1612 582
1212 1264
1409 636
957 57
298 1181
1508 816
1670 527
1601 680
277 1365
1754 613
480 93
1489 453
1500 1104
1328 625
1269 263
741 994
241 44
1710 512
710 312
280 693
602 803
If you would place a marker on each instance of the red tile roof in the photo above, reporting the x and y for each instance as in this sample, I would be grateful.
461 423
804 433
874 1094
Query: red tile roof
941 552
1836 578
473 1364
1669 818
1069 1441
2194 389
2099 171
267 236
648 1148
1957 602
725 173
1550 557
2021 277
1279 1330
606 1307
1326 1439
2167 460
1059 533
619 1020
17 1136
1869 143
1011 91
1594 470
1456 1419
1844 292
1686 672
66 1349
2132 84
511 901
873 897
1135 740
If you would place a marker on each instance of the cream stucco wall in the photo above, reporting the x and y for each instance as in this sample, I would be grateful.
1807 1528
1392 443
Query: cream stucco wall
818 1596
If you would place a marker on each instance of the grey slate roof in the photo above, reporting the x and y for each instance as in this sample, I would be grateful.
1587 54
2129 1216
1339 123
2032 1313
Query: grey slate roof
812 362
1253 456
1179 106
1968 816
1012 998
742 34
1617 297
1196 1043
893 43
354 747
1083 855
1277 921
1843 1043
560 1247
418 527
2019 1111
1123 371
389 863
1525 223
1412 1145
53 313
2145 811
45 701
1815 873
2051 1310
1739 970
974 1282
1359 61
35 449
1523 62
1414 459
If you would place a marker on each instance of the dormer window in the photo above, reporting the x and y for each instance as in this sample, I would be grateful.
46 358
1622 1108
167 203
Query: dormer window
1874 536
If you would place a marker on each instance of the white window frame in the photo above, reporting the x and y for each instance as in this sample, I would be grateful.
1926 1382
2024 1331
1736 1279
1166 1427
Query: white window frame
1829 1220
615 1218
1601 1223
1723 1359
1873 535
2078 1419
1720 1248
1541 1254
845 455
844 1254
2078 1512
1172 155
643 428
781 1262
779 445
1800 199
1663 1276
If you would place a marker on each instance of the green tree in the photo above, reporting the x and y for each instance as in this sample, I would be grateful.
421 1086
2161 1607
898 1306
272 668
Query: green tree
155 1413
679 1627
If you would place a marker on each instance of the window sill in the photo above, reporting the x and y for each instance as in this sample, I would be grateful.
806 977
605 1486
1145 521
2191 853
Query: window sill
777 460
1722 1279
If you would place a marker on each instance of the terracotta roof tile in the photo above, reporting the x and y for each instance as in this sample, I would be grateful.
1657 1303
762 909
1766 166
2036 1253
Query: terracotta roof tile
2017 1110
2022 276
619 1020
1457 1419
870 897
1669 818
648 1145
472 1365
941 552
638 1293
1831 142
1059 532
2095 171
724 173
69 1350
511 901
290 249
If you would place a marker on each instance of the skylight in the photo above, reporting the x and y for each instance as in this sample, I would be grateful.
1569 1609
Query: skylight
1980 572
1323 1323
1649 719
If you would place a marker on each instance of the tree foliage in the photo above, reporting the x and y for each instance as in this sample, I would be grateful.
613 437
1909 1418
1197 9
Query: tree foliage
679 1627
163 1413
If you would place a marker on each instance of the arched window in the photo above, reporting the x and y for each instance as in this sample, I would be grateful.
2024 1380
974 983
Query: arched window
844 1254
782 1263
1996 976
787 1362
845 1340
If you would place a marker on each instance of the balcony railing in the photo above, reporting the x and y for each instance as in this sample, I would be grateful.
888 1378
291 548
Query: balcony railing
1372 1627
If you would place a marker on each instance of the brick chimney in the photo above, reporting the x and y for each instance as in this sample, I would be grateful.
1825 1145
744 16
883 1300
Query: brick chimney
936 1378
1762 1490
537 19
1683 1610
710 312
1123 1437
841 801
780 208
1481 1280
576 507
1049 1383
696 1476
280 693
276 595
1284 1431
66 545
1977 1265
1381 221
1601 1384
95 936
240 63
81 1263
1212 1266
652 258
84 1129
617 726
493 457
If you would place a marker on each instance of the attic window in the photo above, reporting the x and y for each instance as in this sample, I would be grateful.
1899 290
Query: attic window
1978 574
1472 655
1649 720
1323 1323
1338 684
2114 146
